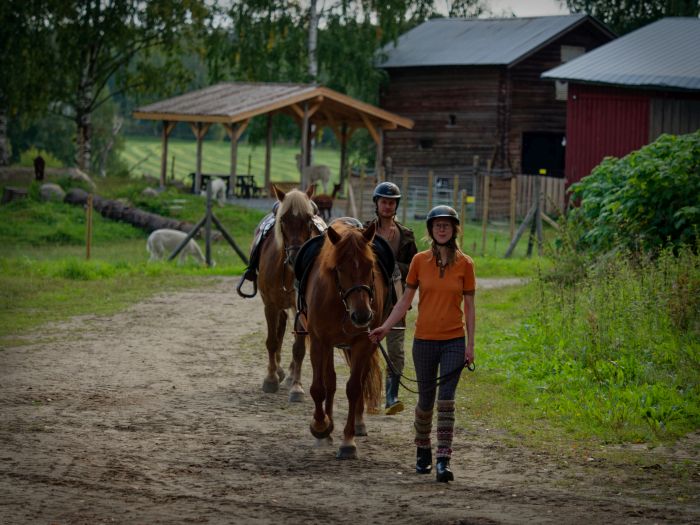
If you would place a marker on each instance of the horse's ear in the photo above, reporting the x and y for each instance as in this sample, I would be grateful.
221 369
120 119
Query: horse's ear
333 235
369 232
310 190
277 192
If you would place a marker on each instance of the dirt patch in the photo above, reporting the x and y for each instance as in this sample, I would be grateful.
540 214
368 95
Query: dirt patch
156 415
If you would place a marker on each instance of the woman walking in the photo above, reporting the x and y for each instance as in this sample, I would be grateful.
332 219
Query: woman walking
445 278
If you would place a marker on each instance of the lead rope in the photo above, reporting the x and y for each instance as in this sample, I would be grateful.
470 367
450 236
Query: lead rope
440 380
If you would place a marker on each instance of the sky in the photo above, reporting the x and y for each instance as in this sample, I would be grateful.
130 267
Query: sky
524 8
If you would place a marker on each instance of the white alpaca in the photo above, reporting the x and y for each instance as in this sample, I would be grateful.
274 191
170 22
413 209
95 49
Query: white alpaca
161 243
218 190
314 172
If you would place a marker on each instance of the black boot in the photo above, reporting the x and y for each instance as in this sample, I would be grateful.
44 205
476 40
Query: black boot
442 470
424 460
393 405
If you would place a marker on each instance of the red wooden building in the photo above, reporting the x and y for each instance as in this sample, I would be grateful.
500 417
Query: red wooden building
626 93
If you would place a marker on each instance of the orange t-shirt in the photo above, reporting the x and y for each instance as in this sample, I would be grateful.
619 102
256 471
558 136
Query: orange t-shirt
440 299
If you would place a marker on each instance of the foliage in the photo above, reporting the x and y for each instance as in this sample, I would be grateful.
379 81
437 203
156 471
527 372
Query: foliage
28 156
628 15
617 354
644 201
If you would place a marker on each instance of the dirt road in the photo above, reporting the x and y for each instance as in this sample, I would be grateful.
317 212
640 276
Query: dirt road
156 415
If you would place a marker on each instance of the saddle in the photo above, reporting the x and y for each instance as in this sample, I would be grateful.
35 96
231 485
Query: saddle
261 233
307 257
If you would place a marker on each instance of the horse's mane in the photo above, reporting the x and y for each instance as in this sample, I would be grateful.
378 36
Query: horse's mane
352 244
295 202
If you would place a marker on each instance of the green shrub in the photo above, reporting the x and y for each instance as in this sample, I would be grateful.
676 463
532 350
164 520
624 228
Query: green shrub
27 158
643 201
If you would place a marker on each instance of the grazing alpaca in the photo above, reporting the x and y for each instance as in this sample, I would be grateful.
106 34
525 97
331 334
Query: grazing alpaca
313 173
161 243
218 190
324 203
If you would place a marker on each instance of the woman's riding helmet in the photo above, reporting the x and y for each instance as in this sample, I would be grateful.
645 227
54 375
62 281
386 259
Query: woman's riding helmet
388 190
441 211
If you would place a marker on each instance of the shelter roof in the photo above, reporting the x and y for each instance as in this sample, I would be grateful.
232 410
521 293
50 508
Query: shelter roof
478 41
663 54
231 102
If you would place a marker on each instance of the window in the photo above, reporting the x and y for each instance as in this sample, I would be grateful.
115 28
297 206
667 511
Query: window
425 144
452 120
567 53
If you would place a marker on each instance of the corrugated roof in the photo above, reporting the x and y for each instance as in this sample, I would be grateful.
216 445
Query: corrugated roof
230 102
663 54
471 42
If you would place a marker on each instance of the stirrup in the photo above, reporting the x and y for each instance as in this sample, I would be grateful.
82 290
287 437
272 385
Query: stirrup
298 322
240 291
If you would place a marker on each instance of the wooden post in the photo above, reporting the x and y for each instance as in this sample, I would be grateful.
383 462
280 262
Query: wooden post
513 195
207 229
233 135
199 129
455 192
304 146
404 192
463 213
167 128
88 226
475 177
268 151
363 176
379 159
540 210
343 154
485 206
172 169
430 191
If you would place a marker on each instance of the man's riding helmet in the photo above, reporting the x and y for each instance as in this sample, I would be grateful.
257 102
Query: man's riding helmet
388 190
441 211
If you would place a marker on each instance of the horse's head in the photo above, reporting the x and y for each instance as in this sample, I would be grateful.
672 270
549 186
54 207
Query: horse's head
294 221
352 261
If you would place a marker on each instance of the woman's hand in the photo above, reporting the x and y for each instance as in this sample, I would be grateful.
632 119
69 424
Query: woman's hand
469 353
378 334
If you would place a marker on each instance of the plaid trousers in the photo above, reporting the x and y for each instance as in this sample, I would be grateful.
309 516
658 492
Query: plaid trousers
429 356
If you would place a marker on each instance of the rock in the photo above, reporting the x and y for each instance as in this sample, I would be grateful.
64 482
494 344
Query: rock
76 196
51 192
149 192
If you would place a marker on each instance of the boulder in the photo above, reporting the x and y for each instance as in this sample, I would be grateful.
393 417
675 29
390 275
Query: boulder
51 192
76 196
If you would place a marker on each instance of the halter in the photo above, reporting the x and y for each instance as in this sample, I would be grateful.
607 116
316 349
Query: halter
355 288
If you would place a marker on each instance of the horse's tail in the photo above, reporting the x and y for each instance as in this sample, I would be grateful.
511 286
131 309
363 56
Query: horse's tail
372 387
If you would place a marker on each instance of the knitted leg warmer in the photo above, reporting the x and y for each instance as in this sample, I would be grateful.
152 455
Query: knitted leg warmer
423 424
445 428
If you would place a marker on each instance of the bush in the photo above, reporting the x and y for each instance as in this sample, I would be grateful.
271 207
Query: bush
643 201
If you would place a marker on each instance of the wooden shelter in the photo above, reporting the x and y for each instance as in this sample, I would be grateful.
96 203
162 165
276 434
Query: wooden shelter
233 104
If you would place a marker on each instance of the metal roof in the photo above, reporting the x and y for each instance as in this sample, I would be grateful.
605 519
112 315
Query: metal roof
470 42
663 54
231 102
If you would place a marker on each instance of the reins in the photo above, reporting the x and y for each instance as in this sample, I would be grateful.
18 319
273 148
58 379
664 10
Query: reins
440 380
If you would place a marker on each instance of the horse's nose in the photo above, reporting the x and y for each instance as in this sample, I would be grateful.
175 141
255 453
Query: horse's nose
361 319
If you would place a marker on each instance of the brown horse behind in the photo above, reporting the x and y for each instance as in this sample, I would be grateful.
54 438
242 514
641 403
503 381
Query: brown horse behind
293 227
345 296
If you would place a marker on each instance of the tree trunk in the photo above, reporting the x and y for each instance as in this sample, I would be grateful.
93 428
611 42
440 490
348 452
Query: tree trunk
313 34
116 126
83 120
4 142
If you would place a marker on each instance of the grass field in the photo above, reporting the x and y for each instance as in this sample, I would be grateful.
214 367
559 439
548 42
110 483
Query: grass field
142 155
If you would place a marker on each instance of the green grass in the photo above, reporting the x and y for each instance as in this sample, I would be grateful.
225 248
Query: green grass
142 155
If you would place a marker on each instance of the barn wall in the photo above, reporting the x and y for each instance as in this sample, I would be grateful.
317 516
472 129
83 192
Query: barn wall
534 107
602 122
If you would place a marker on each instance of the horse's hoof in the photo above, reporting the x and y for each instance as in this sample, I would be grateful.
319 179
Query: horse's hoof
288 381
347 452
280 374
321 434
360 429
270 387
323 443
296 394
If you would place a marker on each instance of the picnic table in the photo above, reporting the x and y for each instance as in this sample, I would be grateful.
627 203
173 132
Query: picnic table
206 177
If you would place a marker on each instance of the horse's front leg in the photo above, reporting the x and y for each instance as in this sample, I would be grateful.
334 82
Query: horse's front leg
322 421
353 389
275 318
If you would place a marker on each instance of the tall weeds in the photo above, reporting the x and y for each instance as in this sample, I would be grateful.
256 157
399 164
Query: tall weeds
617 350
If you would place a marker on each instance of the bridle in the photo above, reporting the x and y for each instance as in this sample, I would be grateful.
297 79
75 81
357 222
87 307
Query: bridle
344 294
290 253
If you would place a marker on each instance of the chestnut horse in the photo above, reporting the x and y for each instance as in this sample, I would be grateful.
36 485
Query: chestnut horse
345 296
294 225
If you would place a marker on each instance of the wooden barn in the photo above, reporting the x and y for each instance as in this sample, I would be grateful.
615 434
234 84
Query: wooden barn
473 87
629 91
